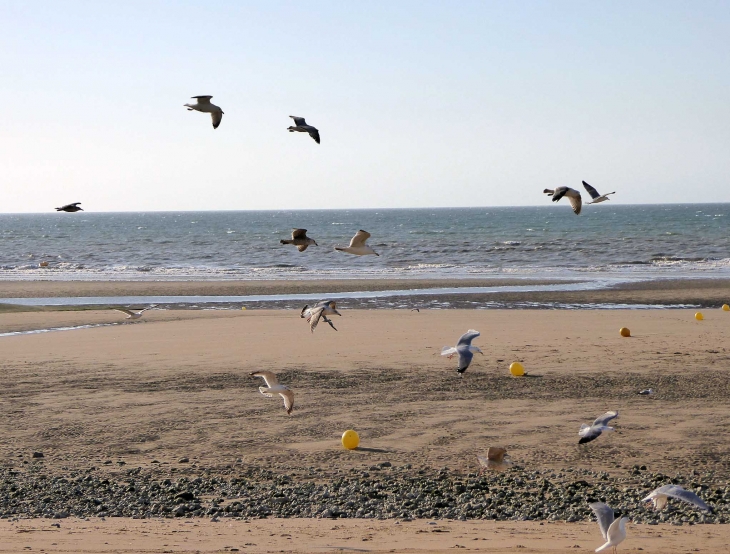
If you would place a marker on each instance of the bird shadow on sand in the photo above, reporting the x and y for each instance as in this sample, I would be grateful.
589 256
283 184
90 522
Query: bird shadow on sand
367 449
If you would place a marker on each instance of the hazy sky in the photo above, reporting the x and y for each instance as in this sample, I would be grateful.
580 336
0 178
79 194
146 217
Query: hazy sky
418 103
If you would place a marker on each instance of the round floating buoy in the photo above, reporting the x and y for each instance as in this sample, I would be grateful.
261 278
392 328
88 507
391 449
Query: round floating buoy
624 331
699 316
243 308
517 369
350 439
725 308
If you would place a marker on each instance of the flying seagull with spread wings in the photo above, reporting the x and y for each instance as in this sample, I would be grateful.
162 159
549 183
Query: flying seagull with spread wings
660 496
273 387
131 314
203 104
70 208
613 530
320 311
301 126
357 245
572 195
300 239
464 349
597 197
588 433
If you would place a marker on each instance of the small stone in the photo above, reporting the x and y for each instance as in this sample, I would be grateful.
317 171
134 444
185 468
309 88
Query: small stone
183 460
38 455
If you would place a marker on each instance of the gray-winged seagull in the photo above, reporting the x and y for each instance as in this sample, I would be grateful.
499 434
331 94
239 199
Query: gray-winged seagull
464 349
613 530
273 387
301 126
357 245
588 433
660 496
203 105
320 311
572 195
597 197
131 314
70 208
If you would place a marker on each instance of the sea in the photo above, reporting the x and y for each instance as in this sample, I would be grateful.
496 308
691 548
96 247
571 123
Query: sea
606 244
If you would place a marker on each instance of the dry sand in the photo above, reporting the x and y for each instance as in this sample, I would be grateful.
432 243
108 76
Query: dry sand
176 384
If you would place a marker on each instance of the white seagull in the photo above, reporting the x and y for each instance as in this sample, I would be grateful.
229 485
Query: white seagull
273 387
597 198
572 195
613 530
301 126
300 239
131 314
660 496
203 105
320 311
496 459
588 433
465 350
357 245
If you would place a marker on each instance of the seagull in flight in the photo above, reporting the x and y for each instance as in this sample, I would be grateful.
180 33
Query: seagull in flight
572 195
464 349
613 530
273 387
320 311
588 433
496 459
597 198
203 105
301 126
357 245
70 208
300 239
131 314
660 496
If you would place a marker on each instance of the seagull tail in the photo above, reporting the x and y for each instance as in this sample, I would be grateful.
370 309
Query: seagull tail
604 547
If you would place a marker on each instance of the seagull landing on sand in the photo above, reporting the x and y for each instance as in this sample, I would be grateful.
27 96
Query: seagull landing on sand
301 126
300 239
273 387
660 496
357 245
588 433
320 311
613 530
464 349
597 198
496 459
131 314
203 105
572 195
70 208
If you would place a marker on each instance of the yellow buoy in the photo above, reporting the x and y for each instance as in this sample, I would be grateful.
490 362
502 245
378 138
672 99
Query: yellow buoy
725 308
625 332
350 439
699 316
517 369
243 308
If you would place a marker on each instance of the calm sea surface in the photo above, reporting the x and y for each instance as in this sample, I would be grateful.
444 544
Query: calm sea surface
604 242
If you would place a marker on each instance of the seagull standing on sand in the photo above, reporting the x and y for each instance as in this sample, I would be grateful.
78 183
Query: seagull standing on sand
660 496
300 239
301 126
132 314
320 311
597 198
613 530
70 208
496 459
572 195
273 387
203 105
464 349
357 245
588 433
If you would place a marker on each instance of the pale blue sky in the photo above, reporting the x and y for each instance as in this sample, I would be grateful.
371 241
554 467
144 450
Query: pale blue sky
418 103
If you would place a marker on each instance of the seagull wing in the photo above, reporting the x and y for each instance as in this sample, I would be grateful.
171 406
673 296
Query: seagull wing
465 357
604 514
448 351
148 308
576 202
314 133
483 461
298 121
268 377
204 99
359 239
302 247
216 117
298 234
467 337
675 491
604 419
288 397
593 192
315 316
124 311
